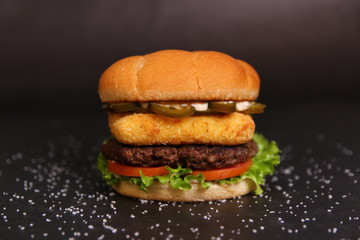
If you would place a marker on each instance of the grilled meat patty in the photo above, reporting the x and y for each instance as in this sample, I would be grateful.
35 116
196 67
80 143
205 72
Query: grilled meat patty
196 157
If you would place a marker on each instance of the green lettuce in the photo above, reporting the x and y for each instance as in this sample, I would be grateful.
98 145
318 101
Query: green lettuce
178 178
264 164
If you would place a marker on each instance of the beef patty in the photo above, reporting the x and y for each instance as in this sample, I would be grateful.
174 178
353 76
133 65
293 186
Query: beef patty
196 157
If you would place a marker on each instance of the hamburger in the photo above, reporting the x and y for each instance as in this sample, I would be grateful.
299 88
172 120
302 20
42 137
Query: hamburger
182 127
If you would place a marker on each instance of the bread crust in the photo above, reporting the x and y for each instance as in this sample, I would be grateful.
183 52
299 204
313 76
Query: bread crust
177 75
163 192
152 129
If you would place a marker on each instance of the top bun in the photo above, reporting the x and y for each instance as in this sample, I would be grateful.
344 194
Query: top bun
177 75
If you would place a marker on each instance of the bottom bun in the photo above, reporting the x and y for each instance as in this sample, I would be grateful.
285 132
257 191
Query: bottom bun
163 192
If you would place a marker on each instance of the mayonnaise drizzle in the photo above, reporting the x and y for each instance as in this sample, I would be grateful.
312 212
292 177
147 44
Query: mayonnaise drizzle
200 106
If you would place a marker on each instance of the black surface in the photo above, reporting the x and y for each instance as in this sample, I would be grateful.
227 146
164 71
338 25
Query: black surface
52 54
51 189
51 124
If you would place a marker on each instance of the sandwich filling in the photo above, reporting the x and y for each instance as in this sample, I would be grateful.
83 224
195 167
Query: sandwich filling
181 177
184 109
184 143
196 157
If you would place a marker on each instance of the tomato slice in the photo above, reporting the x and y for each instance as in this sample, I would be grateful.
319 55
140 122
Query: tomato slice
131 171
215 174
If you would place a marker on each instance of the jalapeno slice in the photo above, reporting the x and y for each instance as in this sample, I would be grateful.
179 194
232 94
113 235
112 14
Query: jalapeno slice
168 111
223 107
206 112
124 107
179 111
254 108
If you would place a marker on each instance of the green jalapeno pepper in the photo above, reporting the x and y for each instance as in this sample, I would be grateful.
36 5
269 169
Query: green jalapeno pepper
223 107
254 108
171 112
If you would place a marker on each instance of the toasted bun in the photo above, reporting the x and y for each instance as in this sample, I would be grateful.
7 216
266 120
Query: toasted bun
163 192
149 129
176 75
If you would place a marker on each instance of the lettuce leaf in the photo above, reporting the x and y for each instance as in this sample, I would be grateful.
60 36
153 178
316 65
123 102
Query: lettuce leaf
264 164
109 177
178 178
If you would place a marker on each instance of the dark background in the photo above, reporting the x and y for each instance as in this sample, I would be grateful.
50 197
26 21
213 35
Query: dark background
53 52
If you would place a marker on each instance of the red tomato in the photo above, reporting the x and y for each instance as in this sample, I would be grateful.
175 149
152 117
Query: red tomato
215 174
131 171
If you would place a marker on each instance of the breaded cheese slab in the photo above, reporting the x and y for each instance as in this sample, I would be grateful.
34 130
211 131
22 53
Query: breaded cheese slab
153 129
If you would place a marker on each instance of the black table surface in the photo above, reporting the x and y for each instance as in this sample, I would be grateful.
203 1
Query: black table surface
51 188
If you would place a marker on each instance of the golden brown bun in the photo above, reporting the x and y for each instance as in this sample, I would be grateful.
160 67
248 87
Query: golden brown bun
163 192
148 129
177 75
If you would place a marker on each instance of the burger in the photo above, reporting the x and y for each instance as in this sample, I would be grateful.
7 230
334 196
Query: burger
182 128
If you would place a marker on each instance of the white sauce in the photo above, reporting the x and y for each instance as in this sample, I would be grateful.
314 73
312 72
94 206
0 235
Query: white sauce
240 106
201 106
